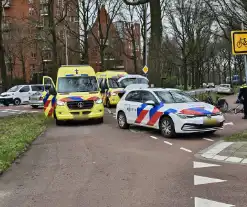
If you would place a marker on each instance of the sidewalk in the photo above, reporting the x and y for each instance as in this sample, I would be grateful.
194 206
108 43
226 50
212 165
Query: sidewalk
229 152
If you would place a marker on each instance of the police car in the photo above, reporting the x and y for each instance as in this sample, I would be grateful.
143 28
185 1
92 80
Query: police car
170 111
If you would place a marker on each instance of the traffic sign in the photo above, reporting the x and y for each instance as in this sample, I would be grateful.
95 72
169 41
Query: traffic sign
145 69
239 42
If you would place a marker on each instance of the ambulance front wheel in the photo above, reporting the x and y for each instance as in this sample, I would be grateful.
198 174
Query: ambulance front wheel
100 120
59 122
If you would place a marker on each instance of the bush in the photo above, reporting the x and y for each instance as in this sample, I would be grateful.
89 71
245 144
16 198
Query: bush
169 82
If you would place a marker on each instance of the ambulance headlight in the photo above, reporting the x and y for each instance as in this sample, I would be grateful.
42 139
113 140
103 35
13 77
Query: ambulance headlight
99 101
60 103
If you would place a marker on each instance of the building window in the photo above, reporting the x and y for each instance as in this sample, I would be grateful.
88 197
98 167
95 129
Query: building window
33 55
30 1
31 11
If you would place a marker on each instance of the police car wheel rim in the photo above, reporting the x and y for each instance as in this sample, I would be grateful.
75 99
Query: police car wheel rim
166 127
121 120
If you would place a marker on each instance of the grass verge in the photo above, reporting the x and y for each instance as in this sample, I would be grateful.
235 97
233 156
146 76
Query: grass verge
16 134
238 137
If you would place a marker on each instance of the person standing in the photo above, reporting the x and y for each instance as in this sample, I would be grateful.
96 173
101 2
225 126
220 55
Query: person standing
243 95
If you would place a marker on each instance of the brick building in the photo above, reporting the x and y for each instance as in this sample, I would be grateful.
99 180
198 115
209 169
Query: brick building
27 38
118 51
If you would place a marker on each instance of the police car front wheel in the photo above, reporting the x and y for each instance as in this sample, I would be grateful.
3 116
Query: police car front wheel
122 121
167 127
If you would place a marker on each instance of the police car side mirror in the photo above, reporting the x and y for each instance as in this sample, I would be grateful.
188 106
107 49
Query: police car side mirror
150 103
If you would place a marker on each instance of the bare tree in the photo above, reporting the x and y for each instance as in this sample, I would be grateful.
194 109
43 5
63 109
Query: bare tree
155 37
102 30
130 36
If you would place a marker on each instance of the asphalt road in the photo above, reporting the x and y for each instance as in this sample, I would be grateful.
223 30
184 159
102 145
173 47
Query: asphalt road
15 110
102 165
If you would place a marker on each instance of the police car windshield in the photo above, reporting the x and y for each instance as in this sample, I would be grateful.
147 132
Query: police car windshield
77 84
174 97
128 81
113 83
14 89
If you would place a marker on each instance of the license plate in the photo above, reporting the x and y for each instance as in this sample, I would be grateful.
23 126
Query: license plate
210 121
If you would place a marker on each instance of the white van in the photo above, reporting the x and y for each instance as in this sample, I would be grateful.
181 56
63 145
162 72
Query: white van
19 94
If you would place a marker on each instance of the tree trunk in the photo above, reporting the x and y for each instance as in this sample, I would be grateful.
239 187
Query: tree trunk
2 53
145 34
23 66
229 67
52 28
85 52
102 58
154 73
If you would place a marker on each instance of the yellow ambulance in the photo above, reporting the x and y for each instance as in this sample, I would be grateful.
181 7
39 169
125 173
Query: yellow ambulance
76 95
110 88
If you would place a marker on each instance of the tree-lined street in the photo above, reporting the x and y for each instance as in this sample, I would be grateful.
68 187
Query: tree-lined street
102 165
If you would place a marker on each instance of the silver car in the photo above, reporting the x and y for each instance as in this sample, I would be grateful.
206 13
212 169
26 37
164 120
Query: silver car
36 100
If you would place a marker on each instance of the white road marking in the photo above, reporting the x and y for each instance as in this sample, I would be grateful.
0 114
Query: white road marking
169 143
34 111
109 111
4 111
184 149
203 164
201 202
210 140
229 123
153 137
201 180
11 110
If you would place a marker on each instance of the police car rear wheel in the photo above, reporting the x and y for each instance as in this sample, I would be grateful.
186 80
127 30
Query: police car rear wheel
167 127
122 121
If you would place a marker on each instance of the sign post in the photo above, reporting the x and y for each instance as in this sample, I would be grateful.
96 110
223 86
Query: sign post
239 45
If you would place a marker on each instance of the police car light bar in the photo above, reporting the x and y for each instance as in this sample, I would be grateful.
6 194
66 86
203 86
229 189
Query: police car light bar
136 86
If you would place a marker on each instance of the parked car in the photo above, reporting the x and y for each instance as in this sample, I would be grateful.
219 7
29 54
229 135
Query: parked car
18 94
225 88
170 111
211 85
36 100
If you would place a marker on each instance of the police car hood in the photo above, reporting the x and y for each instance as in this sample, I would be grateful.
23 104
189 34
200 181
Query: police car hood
6 94
193 108
78 96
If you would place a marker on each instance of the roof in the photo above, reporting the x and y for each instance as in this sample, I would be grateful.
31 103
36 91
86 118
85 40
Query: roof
155 89
133 76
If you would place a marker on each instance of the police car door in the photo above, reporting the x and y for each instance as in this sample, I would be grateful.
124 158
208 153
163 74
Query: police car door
151 119
132 102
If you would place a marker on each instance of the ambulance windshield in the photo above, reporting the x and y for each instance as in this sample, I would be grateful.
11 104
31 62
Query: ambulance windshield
77 84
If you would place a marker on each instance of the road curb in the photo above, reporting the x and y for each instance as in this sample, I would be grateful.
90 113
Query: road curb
211 153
